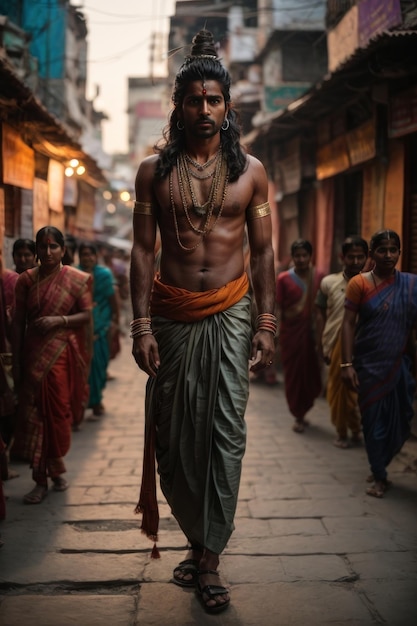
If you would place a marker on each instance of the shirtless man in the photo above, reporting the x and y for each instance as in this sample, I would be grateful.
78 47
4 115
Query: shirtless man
191 329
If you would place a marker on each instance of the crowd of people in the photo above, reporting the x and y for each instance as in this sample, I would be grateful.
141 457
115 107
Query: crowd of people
332 336
58 321
200 199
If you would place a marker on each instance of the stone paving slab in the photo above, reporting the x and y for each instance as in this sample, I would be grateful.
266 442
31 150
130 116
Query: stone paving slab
50 567
305 527
170 605
68 610
297 605
275 604
248 527
50 510
281 491
352 524
340 543
251 569
397 566
322 492
395 601
126 536
109 494
306 508
323 477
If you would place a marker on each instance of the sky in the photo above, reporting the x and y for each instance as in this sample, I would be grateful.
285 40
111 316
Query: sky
119 37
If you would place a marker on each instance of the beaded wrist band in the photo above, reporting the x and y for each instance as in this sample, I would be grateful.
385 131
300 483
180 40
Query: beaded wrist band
140 326
268 322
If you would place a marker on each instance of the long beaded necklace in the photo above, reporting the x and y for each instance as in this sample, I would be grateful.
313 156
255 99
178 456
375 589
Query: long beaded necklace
222 176
184 174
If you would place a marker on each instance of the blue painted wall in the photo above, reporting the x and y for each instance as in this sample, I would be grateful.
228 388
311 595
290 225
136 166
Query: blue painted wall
46 20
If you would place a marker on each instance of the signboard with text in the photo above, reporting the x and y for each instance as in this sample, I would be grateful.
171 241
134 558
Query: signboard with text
18 159
277 98
375 16
403 113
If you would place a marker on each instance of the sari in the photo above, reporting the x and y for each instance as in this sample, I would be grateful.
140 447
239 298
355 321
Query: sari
302 375
55 368
195 411
387 314
9 279
103 288
7 396
343 402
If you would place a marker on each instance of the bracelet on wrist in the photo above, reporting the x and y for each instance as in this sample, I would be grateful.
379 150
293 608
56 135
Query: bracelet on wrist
342 365
140 326
267 322
65 318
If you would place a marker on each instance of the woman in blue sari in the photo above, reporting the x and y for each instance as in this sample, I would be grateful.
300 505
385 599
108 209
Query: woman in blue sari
380 315
105 313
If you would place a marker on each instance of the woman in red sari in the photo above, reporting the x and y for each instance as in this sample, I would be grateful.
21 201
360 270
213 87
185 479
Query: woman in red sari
51 351
295 295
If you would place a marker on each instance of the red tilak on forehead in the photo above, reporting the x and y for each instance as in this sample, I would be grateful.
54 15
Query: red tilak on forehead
204 88
48 240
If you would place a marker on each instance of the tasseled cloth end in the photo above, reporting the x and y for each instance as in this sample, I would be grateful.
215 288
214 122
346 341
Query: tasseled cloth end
148 503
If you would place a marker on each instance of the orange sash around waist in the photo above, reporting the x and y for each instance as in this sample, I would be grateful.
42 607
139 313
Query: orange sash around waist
182 305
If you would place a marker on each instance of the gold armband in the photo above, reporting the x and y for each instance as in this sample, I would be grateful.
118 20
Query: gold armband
261 210
143 208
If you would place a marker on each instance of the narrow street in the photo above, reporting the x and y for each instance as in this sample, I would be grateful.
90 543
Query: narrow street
310 548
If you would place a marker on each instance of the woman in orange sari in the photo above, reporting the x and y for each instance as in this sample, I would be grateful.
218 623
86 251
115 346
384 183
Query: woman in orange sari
51 351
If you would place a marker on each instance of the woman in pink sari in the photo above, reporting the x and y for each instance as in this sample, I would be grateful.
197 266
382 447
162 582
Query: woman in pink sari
295 295
51 351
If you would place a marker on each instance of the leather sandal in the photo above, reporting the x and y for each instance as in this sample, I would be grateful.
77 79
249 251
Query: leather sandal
210 592
189 567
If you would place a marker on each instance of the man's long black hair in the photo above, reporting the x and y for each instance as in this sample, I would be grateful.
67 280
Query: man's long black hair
202 64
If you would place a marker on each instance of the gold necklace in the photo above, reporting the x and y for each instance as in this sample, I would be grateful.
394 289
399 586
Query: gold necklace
202 232
201 166
184 175
202 176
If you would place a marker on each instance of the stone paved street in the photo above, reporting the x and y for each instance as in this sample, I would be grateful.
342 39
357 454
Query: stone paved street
310 548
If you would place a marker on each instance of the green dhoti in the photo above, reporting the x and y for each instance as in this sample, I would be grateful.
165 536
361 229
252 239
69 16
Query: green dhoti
197 404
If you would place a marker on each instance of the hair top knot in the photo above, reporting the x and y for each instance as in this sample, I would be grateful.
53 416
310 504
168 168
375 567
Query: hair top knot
203 46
